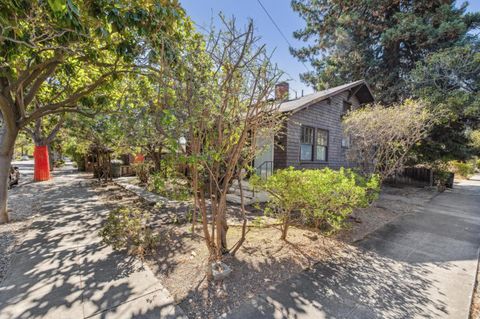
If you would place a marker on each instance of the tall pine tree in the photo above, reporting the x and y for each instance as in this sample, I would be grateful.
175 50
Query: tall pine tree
378 40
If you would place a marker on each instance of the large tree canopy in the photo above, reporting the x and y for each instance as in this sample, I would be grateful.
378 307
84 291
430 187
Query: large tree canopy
450 81
380 41
60 56
55 54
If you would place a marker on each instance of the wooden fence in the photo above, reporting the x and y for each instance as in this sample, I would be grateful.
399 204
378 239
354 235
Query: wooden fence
418 176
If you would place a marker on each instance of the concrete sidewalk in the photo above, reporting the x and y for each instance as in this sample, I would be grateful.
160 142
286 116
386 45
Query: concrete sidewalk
422 265
62 270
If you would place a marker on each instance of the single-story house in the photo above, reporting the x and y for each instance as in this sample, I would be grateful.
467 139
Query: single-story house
312 135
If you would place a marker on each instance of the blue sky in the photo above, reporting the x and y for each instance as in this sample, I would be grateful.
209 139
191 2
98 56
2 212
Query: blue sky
203 11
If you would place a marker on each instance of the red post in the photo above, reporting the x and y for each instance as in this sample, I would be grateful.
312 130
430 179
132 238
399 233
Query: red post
42 165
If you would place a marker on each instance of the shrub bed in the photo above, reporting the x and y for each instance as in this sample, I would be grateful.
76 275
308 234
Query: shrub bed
322 198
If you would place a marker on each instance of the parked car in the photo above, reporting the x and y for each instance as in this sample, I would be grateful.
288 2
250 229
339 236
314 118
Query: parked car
14 176
25 158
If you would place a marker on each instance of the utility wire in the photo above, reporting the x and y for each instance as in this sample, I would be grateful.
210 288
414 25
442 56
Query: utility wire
280 30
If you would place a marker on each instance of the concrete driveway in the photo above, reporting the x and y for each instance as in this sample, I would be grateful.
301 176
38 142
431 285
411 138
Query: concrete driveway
422 265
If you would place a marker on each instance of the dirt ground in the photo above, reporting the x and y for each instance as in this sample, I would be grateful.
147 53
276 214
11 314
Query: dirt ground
180 260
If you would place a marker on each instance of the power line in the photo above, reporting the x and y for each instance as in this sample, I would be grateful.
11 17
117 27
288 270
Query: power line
280 30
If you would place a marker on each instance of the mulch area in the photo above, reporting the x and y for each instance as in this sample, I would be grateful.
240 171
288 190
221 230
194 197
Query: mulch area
181 258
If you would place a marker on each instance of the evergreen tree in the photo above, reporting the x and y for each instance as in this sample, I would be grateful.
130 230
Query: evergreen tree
450 81
379 40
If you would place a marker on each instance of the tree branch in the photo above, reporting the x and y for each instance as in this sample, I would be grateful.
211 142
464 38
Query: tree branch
55 130
38 83
68 103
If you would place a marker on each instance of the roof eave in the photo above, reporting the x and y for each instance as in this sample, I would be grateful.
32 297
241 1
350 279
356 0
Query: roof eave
327 96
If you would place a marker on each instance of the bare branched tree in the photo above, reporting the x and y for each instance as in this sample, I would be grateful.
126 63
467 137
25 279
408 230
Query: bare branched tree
383 136
227 102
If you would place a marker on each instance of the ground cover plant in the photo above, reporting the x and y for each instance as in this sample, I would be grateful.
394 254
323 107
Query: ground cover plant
127 228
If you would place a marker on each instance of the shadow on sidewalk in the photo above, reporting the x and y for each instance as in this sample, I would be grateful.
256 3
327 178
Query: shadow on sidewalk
62 270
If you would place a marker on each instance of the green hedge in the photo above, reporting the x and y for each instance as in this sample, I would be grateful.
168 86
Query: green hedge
322 197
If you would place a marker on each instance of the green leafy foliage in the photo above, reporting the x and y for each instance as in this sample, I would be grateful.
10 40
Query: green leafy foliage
143 170
170 186
323 198
449 81
258 222
475 141
377 40
463 169
127 228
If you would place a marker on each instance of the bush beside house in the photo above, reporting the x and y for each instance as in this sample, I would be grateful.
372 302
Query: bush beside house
322 198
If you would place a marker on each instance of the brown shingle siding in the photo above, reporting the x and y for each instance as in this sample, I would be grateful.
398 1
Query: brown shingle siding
323 115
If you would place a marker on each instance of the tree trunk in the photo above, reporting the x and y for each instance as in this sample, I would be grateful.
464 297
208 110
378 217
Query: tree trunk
244 225
7 143
221 225
286 223
51 158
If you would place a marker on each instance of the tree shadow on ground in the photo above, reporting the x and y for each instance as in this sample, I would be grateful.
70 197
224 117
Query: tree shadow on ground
63 270
357 284
416 266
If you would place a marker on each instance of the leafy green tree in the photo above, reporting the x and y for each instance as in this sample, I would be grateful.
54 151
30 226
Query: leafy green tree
449 80
23 145
62 56
44 130
475 141
380 41
148 115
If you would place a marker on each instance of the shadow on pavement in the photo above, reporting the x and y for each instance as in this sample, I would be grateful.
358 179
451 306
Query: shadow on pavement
422 265
62 270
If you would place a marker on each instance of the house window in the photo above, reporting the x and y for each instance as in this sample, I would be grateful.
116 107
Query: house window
322 145
306 144
346 141
313 144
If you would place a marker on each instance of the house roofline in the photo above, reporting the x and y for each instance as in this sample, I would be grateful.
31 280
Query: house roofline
335 91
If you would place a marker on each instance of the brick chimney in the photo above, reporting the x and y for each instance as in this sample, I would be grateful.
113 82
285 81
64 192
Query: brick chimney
281 91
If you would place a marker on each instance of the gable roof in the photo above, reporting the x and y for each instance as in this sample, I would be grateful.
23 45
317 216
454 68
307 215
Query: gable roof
360 89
